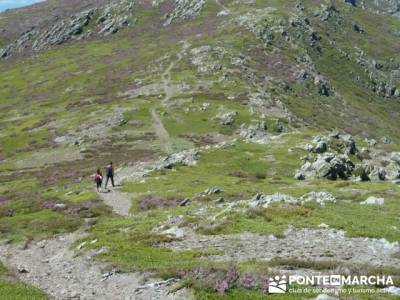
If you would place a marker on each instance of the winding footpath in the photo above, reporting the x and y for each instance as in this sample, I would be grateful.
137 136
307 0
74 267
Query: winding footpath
52 266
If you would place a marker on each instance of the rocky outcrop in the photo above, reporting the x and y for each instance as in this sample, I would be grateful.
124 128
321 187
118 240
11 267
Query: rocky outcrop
261 200
330 158
185 158
100 21
184 9
386 7
328 165
63 30
255 132
318 197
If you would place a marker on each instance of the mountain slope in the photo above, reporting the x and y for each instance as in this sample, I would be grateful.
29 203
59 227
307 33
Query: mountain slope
236 97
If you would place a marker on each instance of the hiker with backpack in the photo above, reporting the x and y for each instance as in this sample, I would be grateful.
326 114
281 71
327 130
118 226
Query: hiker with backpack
98 178
109 174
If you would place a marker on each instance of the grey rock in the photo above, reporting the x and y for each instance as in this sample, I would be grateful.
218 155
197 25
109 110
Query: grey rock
60 206
212 191
386 140
392 171
185 158
299 176
328 165
395 156
184 9
22 269
374 173
373 201
392 290
318 197
261 200
254 131
227 118
321 147
175 232
371 142
185 202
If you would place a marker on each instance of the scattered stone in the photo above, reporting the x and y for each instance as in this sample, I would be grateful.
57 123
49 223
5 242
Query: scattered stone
299 176
397 181
185 202
386 140
222 13
392 290
107 275
261 200
174 232
41 244
227 118
323 225
60 206
81 245
22 269
318 197
371 142
357 28
373 201
157 284
211 191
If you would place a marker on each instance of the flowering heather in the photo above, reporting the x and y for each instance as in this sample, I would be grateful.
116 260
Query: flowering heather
3 200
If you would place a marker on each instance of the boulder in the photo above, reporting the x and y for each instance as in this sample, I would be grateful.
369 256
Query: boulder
371 142
22 269
227 118
395 156
373 201
392 171
299 176
328 165
374 173
386 140
349 146
321 147
185 158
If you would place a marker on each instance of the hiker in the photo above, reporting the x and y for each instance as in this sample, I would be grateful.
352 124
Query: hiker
98 178
110 174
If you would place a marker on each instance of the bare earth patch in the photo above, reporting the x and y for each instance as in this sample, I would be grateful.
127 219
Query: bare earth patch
51 266
304 244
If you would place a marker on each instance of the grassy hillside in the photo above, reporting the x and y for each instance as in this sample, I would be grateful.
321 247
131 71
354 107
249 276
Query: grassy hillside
301 68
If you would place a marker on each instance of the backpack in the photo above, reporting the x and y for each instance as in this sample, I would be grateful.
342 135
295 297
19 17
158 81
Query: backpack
98 178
